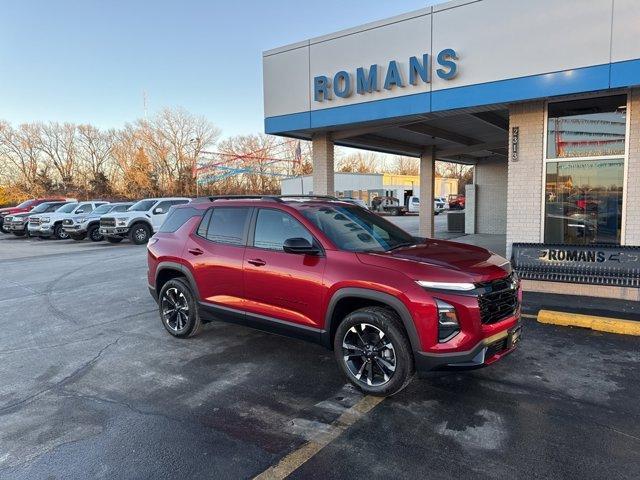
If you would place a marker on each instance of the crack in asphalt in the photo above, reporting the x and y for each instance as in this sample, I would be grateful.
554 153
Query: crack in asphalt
77 372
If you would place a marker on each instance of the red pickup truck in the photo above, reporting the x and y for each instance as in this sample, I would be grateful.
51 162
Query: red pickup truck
25 206
456 202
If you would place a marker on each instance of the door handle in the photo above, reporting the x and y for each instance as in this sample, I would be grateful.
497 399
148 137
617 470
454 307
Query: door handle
195 251
257 262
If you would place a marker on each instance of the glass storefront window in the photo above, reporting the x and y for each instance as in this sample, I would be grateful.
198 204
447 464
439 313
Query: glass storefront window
587 128
583 201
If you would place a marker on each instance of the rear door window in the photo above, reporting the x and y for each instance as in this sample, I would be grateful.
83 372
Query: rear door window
228 225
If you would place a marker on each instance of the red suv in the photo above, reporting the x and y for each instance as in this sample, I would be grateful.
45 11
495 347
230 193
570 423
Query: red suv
339 275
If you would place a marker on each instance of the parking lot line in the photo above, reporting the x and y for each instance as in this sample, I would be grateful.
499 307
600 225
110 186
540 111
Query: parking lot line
602 324
299 457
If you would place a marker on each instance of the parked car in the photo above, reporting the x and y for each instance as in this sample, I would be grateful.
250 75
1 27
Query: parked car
50 225
456 202
413 205
84 225
389 205
140 221
336 274
444 201
25 206
17 223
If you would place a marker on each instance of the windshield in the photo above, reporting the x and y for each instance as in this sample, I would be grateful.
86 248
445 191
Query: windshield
356 229
102 209
26 203
142 206
41 208
68 208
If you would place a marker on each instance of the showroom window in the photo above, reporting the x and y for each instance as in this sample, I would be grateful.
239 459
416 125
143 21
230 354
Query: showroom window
584 163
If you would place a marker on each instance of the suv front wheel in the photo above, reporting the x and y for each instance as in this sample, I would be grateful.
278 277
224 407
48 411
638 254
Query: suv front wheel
373 351
178 309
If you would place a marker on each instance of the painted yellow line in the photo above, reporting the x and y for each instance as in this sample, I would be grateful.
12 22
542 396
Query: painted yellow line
297 458
602 324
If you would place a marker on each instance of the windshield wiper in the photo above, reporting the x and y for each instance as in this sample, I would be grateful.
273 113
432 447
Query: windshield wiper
400 245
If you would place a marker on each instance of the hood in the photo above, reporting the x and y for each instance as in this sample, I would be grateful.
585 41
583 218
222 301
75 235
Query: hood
442 261
126 215
10 210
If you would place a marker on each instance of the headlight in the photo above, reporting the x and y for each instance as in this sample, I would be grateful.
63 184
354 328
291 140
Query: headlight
448 325
121 222
458 287
45 219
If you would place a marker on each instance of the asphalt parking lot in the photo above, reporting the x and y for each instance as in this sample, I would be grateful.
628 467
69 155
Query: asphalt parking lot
91 386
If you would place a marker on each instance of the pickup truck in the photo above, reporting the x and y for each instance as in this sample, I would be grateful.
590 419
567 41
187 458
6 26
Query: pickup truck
50 225
140 221
84 225
24 207
17 223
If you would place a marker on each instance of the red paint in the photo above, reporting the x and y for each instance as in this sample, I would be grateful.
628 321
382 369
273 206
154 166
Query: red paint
298 288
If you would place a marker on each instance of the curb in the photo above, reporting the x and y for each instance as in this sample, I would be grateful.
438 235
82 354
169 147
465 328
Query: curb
602 324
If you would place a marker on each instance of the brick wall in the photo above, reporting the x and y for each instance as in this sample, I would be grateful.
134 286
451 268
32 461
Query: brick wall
525 176
323 165
632 226
491 196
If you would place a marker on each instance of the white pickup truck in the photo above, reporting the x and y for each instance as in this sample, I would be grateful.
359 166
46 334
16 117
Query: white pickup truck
50 224
140 221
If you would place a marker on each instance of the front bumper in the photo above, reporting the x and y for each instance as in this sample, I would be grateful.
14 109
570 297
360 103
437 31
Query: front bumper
15 227
75 229
114 231
486 352
42 230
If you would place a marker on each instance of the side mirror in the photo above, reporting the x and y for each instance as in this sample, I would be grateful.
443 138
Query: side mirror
80 210
158 211
300 246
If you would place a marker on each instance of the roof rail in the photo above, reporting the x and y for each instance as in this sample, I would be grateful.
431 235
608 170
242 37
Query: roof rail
273 198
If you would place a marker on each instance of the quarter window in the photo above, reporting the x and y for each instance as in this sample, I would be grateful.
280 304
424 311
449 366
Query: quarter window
228 225
273 227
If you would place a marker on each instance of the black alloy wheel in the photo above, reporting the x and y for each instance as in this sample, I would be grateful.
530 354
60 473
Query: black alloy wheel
139 233
94 233
373 351
178 310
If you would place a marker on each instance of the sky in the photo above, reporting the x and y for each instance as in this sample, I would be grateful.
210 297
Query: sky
89 61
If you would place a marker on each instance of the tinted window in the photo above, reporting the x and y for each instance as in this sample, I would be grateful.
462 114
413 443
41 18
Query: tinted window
102 209
587 128
120 208
356 229
273 227
53 207
68 208
177 218
228 225
204 224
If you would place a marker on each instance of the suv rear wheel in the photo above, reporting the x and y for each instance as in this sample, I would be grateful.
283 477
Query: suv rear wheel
139 233
178 310
373 351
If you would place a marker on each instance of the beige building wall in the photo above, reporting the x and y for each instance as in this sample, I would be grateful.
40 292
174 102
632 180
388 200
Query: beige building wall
524 188
491 196
632 212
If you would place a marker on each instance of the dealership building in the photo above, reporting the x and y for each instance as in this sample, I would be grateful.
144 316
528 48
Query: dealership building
541 97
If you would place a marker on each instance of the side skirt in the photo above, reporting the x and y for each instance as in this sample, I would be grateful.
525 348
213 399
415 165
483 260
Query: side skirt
260 322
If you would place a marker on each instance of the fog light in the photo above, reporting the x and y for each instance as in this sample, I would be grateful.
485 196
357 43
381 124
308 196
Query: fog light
448 326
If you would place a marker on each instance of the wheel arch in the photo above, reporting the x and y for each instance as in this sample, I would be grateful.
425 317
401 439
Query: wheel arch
169 270
358 297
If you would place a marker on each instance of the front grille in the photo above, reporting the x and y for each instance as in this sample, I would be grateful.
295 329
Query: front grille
107 222
499 300
34 221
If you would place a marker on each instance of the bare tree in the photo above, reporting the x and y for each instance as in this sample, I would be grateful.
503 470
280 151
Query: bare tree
58 143
19 154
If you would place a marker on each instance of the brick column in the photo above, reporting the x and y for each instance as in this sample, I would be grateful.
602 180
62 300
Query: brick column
427 181
491 196
632 212
524 189
323 165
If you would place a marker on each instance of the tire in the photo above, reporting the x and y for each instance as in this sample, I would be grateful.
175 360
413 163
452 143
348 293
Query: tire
93 232
185 322
366 363
114 239
139 233
77 238
59 233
